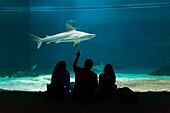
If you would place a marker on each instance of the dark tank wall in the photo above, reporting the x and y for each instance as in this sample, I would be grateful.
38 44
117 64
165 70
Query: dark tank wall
14 46
131 35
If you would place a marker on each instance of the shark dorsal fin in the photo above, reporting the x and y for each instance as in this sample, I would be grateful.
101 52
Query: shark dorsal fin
69 27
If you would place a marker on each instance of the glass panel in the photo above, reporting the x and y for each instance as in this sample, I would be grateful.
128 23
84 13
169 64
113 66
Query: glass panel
133 36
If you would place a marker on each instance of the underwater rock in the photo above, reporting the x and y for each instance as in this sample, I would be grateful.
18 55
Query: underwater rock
2 76
30 73
163 71
24 74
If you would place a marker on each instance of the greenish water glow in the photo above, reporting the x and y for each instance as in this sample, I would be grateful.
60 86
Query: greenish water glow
137 82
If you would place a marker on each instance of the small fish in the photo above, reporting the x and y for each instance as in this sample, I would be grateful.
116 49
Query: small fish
163 42
34 66
71 21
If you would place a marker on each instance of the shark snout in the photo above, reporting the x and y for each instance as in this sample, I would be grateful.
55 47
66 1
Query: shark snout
92 35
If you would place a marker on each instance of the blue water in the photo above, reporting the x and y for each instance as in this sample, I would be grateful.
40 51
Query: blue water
133 36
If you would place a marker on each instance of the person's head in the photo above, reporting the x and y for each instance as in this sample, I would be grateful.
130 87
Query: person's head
60 67
88 64
109 69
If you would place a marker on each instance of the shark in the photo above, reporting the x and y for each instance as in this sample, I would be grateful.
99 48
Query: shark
71 21
70 35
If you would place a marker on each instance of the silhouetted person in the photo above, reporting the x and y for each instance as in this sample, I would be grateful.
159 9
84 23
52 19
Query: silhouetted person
85 80
60 81
107 80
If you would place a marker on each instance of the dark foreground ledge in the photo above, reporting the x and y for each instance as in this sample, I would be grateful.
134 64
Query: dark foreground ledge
31 102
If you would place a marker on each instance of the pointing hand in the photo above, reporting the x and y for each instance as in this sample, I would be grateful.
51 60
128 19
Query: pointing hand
78 53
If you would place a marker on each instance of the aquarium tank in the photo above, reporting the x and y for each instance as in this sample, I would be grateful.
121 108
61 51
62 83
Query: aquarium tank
132 35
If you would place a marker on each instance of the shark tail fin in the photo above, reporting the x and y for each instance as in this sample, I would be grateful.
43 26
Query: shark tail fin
37 39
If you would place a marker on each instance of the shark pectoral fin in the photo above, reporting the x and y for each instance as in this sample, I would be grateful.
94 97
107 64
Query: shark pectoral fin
48 42
38 44
57 42
76 43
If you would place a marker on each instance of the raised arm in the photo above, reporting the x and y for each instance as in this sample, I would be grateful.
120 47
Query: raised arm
76 59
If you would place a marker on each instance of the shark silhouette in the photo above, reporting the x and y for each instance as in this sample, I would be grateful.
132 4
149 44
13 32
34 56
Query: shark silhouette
71 35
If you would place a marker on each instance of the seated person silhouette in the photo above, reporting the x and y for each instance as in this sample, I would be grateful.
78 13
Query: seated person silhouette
85 80
107 80
60 82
